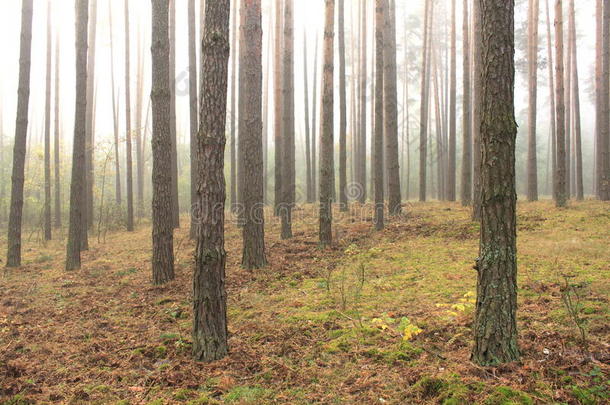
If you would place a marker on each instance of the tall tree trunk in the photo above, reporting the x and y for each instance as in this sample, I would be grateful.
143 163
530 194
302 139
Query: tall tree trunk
560 186
266 88
314 124
477 63
172 116
362 116
278 104
47 133
342 111
423 119
451 186
21 129
390 98
552 104
251 138
567 70
576 98
78 222
56 150
129 169
532 161
466 110
288 179
192 49
380 23
139 130
308 185
163 231
233 144
115 116
90 155
209 294
327 135
599 117
605 131
495 326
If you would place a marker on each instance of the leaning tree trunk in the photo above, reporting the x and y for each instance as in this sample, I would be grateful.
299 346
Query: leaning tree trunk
47 134
288 174
390 98
532 162
162 215
495 325
78 223
327 134
251 138
379 118
89 125
576 98
278 105
466 111
209 294
192 49
342 111
21 128
56 157
129 169
560 183
423 119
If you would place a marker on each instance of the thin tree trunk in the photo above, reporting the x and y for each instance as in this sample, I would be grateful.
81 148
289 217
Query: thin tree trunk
380 23
266 87
477 63
362 181
576 97
599 101
288 179
56 150
567 69
278 104
495 325
552 104
128 124
532 161
138 131
89 156
309 186
466 109
314 124
423 120
47 133
560 186
192 49
251 138
209 294
327 135
233 145
451 186
172 116
163 232
342 111
605 131
115 116
21 129
78 222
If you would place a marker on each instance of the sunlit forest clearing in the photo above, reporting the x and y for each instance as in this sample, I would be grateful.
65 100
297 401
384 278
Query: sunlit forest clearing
380 318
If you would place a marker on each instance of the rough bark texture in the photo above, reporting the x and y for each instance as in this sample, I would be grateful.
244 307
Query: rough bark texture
192 49
560 181
209 294
495 326
128 158
532 161
251 138
89 156
56 150
466 114
390 94
327 134
378 220
21 128
278 104
423 117
162 233
476 110
342 111
576 98
172 116
47 133
78 223
288 174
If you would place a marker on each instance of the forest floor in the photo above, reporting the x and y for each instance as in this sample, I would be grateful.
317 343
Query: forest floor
381 318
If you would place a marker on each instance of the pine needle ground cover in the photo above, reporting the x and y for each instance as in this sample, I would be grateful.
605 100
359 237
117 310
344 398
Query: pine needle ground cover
379 318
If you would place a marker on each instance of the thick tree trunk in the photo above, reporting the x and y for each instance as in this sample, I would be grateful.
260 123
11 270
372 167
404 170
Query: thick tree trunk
327 135
288 178
78 222
532 161
251 138
194 125
129 163
172 116
495 326
599 113
342 111
56 149
560 183
115 116
266 88
466 114
308 185
576 98
163 232
380 22
278 104
21 128
390 99
47 133
424 100
209 294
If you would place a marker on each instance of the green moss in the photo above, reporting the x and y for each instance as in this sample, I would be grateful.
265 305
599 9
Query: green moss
161 351
598 394
430 387
508 396
251 395
182 394
17 400
122 402
156 402
167 337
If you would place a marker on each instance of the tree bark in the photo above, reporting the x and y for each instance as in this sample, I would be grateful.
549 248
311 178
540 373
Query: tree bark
362 181
288 174
21 128
209 294
552 104
47 133
129 169
466 109
192 49
560 183
380 23
599 101
314 124
423 119
251 138
342 111
476 110
115 116
576 98
495 326
56 149
451 186
308 185
139 128
605 131
278 104
78 222
163 232
89 156
532 161
172 117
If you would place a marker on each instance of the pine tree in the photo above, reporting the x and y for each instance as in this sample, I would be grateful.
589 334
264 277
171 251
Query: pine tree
424 100
532 161
560 183
128 148
56 149
342 111
278 104
47 133
193 104
379 116
466 113
89 155
115 116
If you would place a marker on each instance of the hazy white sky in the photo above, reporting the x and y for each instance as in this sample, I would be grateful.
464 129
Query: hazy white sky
308 19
